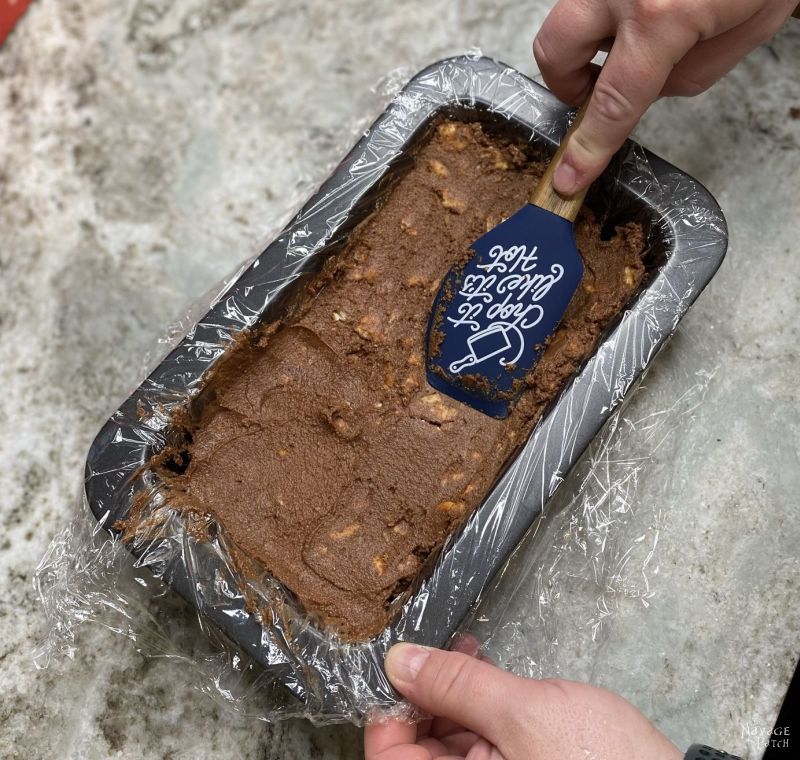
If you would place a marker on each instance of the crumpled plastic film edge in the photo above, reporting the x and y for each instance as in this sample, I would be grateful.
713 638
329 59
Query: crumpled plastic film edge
87 576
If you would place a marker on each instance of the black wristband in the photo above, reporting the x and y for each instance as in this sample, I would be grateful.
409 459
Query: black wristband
702 752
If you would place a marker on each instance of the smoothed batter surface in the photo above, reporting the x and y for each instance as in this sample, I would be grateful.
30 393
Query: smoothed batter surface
323 453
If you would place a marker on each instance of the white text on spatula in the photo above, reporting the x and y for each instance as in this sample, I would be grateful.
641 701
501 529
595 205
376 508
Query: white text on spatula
509 290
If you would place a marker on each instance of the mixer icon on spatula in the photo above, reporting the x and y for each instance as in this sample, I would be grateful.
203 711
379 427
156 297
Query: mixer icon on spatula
489 343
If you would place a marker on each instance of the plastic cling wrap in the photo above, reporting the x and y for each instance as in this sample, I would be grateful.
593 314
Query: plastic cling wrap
248 641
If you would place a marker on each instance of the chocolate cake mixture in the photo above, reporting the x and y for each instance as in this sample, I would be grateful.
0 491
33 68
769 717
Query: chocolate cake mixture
323 452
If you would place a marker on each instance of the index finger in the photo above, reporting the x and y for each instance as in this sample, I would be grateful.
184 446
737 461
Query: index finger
386 735
570 37
631 80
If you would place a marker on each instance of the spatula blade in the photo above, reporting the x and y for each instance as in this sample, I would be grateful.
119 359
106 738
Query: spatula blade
493 315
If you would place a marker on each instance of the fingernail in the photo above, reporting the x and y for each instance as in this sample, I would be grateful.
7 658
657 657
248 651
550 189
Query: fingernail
404 661
565 179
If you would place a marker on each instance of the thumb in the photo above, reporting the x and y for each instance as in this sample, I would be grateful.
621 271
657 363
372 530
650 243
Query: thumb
629 82
453 685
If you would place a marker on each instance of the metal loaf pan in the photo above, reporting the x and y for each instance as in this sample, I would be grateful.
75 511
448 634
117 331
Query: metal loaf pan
687 241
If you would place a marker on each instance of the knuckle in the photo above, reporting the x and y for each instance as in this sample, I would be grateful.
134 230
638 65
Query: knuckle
652 11
540 52
688 14
556 688
585 155
649 9
610 104
451 680
579 145
685 87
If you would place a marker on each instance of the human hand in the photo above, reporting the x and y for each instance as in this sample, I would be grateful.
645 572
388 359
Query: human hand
484 713
656 48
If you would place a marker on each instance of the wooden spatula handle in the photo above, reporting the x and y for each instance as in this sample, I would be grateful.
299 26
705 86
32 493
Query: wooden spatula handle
545 195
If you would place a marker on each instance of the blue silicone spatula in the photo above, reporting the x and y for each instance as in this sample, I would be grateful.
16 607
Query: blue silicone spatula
492 316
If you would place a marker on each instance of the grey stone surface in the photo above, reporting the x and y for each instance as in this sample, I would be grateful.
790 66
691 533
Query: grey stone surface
147 146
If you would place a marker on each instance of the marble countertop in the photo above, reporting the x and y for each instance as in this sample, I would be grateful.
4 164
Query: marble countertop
147 146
